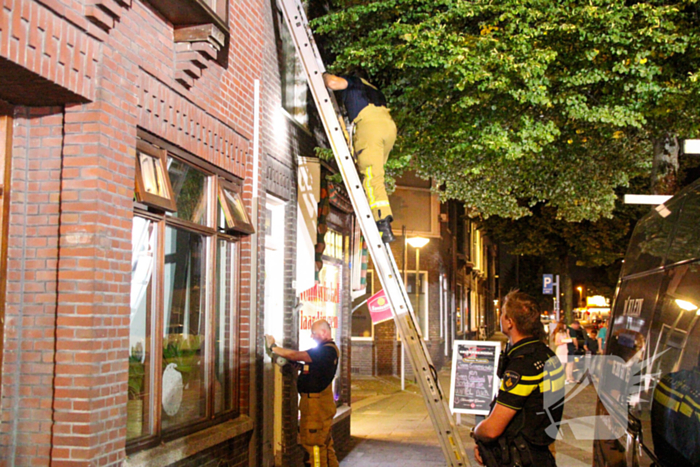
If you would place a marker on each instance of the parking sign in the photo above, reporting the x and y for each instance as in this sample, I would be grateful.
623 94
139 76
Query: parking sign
547 284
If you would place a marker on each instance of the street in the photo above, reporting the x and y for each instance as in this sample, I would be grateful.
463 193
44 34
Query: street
391 427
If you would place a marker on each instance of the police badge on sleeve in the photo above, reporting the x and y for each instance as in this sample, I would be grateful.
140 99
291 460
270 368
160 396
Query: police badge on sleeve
510 380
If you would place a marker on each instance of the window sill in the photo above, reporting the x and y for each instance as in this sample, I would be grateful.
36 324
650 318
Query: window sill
182 448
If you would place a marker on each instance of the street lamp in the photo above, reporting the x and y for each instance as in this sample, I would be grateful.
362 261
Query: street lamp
417 243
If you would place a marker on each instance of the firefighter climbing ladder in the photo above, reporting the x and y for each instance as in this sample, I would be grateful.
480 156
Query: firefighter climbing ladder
382 256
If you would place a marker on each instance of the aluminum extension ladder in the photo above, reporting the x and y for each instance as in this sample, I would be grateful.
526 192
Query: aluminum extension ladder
382 256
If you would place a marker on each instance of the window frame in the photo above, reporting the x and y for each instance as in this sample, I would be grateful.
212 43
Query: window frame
301 120
423 326
149 199
372 291
235 225
434 213
212 235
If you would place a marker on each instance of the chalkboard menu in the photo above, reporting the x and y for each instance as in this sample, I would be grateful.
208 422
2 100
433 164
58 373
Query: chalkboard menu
474 383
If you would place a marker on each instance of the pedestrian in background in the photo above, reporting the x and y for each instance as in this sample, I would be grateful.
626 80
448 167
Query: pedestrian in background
575 350
317 404
561 341
602 335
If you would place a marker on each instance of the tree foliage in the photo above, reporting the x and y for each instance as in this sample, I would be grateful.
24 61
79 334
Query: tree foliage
518 105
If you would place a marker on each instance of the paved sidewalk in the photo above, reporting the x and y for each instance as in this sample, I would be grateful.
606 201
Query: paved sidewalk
391 427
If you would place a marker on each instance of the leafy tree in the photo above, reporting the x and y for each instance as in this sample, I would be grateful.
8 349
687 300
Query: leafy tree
517 106
562 244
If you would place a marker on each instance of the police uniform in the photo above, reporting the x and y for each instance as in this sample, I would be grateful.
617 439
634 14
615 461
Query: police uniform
317 405
374 137
532 382
675 419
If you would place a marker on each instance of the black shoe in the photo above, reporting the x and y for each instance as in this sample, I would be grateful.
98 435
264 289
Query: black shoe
384 226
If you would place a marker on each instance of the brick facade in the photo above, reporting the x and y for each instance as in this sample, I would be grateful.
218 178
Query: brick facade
85 77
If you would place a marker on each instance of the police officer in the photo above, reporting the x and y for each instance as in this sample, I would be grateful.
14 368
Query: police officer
373 139
317 405
526 413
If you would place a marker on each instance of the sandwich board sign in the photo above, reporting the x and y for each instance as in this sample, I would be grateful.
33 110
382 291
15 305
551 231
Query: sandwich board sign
474 383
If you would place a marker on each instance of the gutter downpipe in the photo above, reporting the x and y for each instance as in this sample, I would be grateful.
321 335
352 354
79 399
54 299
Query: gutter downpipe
253 393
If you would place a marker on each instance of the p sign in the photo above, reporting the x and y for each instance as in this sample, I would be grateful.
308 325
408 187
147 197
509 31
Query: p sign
547 284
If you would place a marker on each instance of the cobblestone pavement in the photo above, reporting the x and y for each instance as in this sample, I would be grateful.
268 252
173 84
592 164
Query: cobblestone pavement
391 427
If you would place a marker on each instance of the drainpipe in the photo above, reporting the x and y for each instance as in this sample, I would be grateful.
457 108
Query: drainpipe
253 392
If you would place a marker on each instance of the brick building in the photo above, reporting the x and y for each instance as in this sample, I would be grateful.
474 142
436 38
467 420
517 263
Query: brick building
150 157
457 283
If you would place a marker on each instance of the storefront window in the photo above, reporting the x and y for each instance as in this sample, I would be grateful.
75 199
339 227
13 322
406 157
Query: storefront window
184 296
322 301
143 245
226 312
184 375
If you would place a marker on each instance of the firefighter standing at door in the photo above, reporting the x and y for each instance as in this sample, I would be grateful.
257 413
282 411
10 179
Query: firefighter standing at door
373 139
529 405
317 404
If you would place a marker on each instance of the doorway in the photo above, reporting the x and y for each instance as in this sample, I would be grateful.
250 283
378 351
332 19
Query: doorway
274 326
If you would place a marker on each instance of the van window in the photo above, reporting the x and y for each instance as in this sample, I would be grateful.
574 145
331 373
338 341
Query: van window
667 403
686 239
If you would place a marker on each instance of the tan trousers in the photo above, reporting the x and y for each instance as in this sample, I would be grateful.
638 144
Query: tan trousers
375 135
317 412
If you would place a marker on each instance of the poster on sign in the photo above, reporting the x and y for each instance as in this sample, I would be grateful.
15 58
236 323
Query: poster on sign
379 308
474 383
322 301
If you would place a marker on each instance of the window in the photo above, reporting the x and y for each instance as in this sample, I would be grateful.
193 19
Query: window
415 206
665 397
232 213
362 327
418 294
183 361
152 184
294 86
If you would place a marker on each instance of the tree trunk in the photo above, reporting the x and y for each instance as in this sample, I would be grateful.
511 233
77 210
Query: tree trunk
664 171
567 288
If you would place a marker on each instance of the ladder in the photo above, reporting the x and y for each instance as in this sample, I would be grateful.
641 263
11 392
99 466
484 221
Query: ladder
384 261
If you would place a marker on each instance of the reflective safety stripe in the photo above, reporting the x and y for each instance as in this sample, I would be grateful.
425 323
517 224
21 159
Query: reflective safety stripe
368 185
554 372
674 392
532 378
317 456
692 402
379 204
666 401
550 384
686 410
523 390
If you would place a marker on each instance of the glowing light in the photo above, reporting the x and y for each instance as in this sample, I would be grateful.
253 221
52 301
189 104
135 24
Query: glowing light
687 306
418 242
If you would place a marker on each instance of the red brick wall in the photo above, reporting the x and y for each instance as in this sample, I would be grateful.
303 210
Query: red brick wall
73 175
30 334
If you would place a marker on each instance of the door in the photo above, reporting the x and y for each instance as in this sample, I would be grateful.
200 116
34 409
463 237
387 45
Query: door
274 325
